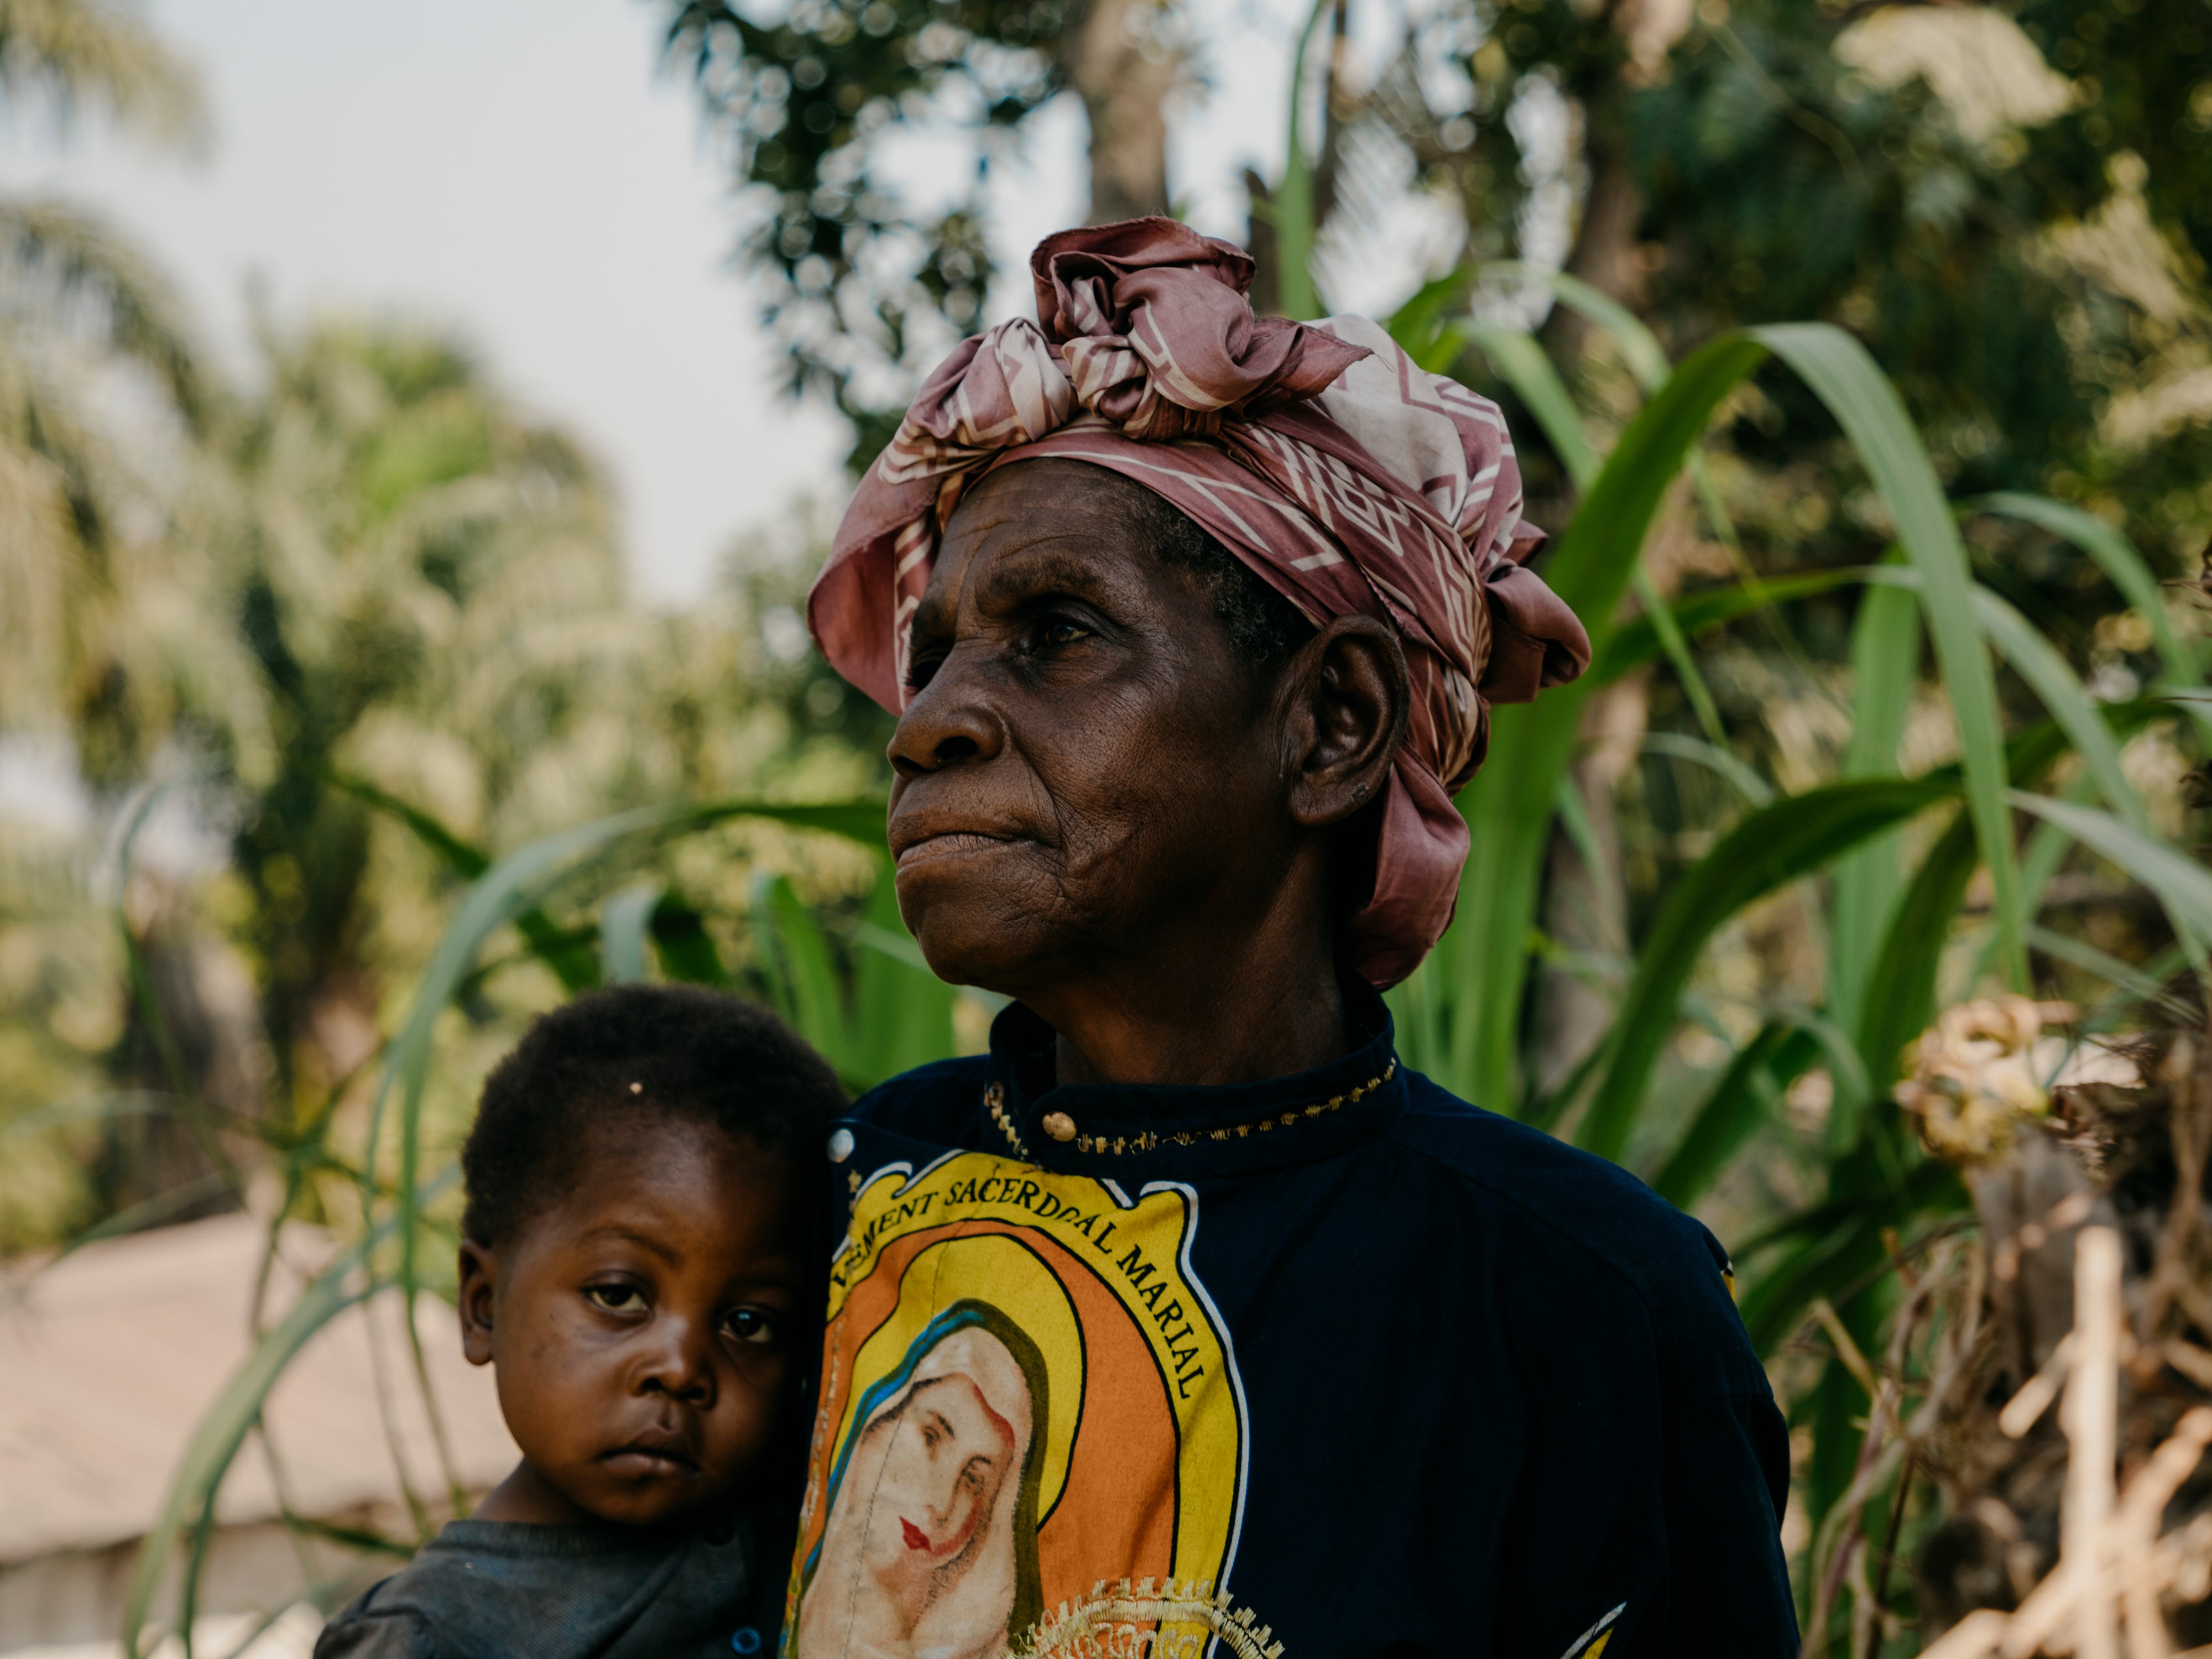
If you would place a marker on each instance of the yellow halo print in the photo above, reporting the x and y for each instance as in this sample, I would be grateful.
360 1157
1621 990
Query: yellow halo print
1025 1393
998 1270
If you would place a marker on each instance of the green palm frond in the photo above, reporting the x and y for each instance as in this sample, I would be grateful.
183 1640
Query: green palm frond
75 275
75 52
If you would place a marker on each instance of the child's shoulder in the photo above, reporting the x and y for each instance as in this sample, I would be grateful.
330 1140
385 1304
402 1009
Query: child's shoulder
492 1587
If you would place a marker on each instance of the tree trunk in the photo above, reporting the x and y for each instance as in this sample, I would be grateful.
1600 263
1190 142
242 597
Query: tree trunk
1122 68
1605 248
201 1054
1266 293
1585 909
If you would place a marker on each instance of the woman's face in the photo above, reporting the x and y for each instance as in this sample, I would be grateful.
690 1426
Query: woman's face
1086 775
947 1457
919 1553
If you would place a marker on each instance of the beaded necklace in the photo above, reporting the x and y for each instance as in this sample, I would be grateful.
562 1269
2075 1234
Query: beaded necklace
1063 1129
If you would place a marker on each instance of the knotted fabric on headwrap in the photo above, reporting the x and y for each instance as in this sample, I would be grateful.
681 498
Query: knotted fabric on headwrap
1349 478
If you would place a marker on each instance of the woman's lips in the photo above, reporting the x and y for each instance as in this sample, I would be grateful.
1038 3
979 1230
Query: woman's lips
950 844
916 1539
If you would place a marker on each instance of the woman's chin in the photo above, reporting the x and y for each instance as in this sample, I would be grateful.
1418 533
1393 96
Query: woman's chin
972 944
900 1573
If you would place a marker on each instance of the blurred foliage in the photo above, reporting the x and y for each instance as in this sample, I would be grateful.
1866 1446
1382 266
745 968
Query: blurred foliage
862 289
79 306
334 747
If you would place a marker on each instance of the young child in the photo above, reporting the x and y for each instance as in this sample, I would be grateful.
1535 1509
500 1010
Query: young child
634 1267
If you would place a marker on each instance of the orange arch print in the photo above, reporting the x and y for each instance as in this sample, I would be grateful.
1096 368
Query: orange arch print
1024 1392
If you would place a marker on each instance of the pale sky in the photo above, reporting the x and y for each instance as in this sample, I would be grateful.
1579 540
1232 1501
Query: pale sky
520 169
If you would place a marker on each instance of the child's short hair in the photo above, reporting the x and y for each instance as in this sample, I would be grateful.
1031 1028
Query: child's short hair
679 1049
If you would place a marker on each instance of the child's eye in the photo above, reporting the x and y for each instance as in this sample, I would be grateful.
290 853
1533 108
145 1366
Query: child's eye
616 1298
749 1325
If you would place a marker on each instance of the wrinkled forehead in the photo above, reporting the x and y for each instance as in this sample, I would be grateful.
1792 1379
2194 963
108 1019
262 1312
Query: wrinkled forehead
1064 523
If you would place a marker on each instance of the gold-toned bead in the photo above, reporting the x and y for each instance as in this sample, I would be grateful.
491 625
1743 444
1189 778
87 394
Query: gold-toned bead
1059 1126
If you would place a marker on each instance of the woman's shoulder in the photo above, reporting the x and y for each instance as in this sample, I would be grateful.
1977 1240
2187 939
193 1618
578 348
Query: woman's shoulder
1593 1220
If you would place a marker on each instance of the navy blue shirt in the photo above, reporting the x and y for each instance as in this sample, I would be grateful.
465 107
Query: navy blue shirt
1334 1364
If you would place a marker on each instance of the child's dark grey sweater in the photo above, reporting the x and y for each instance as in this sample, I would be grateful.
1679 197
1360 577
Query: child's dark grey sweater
497 1590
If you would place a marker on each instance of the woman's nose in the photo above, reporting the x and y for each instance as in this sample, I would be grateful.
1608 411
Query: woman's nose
949 720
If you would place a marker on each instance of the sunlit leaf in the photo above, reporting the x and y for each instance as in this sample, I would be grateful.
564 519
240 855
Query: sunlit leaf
1838 370
624 920
1790 839
1739 1101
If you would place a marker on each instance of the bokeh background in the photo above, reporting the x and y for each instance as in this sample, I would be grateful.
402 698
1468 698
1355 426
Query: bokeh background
419 426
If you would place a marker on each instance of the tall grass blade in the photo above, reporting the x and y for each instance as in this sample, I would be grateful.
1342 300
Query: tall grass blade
2114 553
504 891
1898 1001
2137 987
1638 346
224 1428
1866 406
1839 1247
807 979
2053 679
1740 1101
572 963
1646 361
2179 883
1508 806
624 918
904 1012
1885 667
1715 759
1901 990
1790 839
1294 201
1637 643
507 889
1419 325
686 951
1521 363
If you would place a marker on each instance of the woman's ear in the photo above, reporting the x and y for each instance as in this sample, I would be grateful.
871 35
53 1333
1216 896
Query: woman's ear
1350 698
479 1291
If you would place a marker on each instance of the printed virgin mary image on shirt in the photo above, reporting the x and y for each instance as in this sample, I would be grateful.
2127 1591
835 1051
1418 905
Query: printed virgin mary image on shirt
934 1548
1024 1395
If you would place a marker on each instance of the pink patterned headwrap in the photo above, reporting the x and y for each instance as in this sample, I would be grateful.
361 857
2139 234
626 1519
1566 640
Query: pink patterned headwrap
1349 478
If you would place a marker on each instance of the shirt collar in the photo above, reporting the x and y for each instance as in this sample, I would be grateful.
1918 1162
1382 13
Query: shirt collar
1164 1131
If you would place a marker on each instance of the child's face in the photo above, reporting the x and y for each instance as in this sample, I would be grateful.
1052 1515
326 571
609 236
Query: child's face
641 1325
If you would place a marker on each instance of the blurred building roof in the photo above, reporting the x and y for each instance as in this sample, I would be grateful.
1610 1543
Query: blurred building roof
109 1358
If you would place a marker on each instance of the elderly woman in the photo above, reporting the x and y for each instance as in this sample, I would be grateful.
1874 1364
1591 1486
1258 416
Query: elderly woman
1191 620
